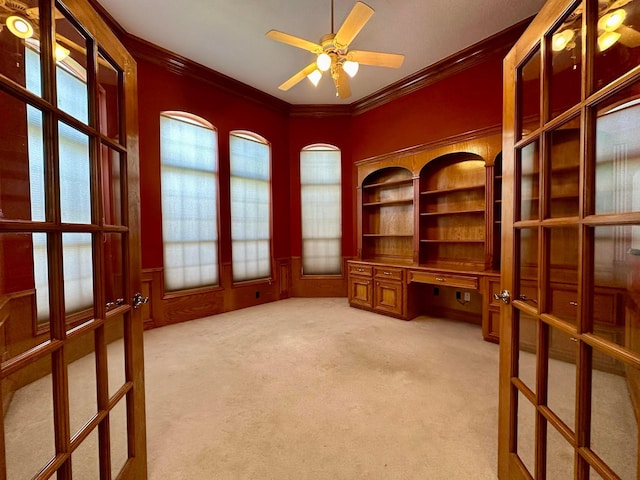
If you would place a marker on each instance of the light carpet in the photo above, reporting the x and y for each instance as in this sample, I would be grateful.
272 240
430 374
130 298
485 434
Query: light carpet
314 389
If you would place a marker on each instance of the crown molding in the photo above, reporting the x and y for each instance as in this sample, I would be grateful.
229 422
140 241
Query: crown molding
442 142
500 42
180 65
320 111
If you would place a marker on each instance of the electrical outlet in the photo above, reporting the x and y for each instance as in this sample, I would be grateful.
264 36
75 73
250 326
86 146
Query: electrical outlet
436 291
258 294
458 296
467 296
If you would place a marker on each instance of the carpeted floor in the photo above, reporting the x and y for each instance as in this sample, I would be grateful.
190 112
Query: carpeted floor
313 389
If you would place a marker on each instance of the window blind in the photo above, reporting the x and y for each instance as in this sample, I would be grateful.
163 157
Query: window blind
321 206
189 204
250 208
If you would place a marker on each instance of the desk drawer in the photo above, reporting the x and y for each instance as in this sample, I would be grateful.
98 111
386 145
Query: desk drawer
461 281
387 272
360 269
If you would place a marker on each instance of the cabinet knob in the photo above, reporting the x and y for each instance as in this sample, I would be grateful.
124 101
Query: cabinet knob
387 273
573 304
440 279
361 269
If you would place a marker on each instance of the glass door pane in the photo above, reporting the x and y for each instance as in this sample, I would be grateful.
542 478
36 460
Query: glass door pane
529 187
618 40
564 166
617 173
614 426
566 63
28 420
526 430
529 95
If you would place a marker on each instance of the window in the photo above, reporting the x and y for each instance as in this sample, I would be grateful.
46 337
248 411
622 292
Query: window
250 159
320 184
188 152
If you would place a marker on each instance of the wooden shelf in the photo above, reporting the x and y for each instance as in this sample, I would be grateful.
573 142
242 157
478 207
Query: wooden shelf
452 241
393 183
456 212
405 201
384 235
553 197
565 168
452 190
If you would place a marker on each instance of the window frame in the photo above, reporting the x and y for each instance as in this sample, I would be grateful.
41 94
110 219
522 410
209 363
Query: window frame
341 274
196 120
255 137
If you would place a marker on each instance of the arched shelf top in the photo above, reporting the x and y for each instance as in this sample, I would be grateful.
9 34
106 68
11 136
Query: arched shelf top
468 159
388 176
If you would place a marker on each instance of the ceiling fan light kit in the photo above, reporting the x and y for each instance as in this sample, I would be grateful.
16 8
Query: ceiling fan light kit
19 26
333 54
611 28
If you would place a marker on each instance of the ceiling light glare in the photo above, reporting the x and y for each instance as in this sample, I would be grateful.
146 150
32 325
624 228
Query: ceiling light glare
351 68
314 77
560 40
323 62
607 40
61 52
612 20
19 26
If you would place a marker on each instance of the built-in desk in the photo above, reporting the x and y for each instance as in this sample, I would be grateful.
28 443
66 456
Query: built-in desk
406 291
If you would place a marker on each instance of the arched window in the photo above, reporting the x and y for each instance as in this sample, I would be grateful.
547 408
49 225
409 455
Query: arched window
189 175
250 164
321 204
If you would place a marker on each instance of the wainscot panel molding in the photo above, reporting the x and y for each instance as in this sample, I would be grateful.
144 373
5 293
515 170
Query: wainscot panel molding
151 287
318 286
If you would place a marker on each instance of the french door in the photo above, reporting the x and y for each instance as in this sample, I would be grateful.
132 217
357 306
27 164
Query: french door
570 326
71 370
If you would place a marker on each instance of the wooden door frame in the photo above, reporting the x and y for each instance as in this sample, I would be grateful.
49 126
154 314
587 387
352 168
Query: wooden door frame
132 392
508 465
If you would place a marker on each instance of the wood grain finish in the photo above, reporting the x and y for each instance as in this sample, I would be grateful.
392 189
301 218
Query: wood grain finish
568 273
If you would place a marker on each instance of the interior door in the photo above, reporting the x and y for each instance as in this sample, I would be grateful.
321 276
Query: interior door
570 342
70 334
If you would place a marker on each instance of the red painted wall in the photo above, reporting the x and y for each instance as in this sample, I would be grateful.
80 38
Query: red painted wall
335 130
467 101
160 90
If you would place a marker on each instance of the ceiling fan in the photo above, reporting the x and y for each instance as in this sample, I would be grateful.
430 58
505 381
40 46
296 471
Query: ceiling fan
333 52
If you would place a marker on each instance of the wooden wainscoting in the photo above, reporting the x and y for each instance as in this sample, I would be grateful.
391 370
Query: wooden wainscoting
317 286
174 307
287 281
151 283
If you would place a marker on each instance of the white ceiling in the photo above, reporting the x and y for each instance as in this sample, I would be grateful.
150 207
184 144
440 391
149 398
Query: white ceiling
229 36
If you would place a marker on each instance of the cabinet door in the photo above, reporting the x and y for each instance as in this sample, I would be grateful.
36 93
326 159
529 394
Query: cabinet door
360 291
388 297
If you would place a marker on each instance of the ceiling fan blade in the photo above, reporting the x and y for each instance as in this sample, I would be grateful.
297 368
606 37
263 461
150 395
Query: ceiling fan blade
298 77
377 59
294 41
357 18
629 37
341 79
